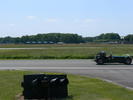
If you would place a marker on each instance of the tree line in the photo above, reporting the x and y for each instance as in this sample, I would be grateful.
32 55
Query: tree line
111 37
105 37
50 38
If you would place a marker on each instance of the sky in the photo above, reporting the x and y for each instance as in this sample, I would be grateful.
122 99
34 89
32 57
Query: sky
84 17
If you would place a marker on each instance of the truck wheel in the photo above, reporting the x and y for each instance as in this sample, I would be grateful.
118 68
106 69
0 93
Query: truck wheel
100 62
128 61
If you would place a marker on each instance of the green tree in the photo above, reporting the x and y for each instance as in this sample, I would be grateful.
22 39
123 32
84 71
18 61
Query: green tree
109 37
129 38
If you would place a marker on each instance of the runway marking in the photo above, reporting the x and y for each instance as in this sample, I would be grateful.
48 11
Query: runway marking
80 68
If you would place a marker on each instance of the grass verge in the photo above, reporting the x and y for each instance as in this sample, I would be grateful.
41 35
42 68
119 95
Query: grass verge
80 88
65 52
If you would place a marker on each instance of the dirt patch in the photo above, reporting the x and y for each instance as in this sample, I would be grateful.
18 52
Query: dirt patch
19 97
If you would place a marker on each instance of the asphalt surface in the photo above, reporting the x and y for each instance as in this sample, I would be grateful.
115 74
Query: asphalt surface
116 73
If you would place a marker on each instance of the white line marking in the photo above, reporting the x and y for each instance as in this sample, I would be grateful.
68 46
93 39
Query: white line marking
80 68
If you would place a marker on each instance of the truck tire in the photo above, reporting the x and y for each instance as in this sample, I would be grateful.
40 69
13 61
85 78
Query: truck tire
128 61
100 62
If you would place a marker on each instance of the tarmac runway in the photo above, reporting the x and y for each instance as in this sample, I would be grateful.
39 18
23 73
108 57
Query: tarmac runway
117 73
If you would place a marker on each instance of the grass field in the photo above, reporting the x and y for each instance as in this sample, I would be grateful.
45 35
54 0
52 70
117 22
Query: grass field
80 88
62 45
64 51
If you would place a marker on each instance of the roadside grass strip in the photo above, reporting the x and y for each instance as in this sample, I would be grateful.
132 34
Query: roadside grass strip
80 87
65 51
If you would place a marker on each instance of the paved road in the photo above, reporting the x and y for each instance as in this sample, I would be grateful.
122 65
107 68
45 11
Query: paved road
118 73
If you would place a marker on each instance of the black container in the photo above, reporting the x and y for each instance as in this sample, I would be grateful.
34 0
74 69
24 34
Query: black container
43 86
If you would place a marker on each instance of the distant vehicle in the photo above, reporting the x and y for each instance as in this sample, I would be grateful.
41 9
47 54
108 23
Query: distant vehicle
101 58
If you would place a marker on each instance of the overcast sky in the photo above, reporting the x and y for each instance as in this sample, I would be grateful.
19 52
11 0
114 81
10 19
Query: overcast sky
85 17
